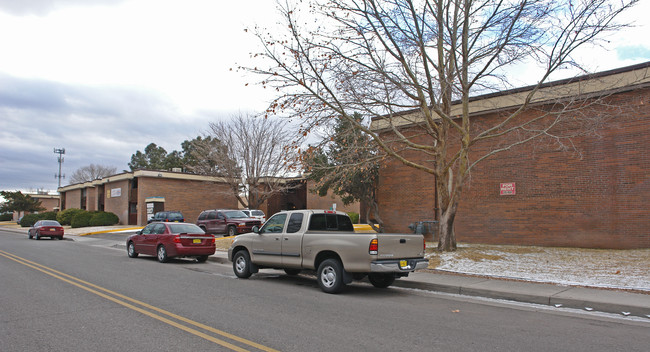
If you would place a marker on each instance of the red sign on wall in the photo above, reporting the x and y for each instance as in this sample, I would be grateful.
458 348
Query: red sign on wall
508 189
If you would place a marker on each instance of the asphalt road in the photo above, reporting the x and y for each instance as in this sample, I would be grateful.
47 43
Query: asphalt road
85 294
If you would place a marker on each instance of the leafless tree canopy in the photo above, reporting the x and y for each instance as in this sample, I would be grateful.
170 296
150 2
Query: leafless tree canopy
91 173
382 58
255 155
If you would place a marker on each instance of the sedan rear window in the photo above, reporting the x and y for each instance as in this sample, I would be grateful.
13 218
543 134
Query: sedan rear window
50 223
184 228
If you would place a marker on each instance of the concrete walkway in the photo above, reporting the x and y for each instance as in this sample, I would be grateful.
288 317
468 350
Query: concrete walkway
586 298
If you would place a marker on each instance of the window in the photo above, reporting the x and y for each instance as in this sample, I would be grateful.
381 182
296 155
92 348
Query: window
203 215
330 222
212 215
274 224
148 230
159 229
295 222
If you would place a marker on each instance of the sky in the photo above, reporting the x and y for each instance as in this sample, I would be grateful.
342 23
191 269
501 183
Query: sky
104 78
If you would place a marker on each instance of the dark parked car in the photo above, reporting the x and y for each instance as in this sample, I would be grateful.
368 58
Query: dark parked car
171 239
46 228
167 216
230 222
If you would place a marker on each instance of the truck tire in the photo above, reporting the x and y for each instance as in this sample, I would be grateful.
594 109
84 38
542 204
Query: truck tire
241 264
381 280
330 276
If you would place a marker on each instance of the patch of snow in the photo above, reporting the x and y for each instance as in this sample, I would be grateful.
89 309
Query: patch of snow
620 269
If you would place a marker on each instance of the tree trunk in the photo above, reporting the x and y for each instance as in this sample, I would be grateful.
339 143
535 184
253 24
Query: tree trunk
447 236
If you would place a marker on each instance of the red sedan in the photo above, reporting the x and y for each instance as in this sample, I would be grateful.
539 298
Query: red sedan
46 228
167 240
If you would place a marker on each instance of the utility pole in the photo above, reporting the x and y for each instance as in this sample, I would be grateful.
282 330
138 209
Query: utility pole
60 158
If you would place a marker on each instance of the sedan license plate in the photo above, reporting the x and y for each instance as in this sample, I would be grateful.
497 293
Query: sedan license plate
52 229
196 240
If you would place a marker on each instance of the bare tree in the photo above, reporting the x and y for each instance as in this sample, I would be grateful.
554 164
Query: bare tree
91 173
255 155
430 57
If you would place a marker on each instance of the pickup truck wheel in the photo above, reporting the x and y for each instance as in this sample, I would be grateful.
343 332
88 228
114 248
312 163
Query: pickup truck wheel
381 280
241 264
232 231
292 272
330 276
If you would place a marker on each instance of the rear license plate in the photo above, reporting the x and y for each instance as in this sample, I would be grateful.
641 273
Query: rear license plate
403 264
52 229
196 240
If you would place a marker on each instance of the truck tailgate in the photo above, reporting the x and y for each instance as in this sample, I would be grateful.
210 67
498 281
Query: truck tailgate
395 246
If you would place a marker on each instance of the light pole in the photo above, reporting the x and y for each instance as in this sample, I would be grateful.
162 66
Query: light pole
60 159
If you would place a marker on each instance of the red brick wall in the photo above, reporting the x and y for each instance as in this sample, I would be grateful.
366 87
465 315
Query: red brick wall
186 196
595 197
314 201
73 199
117 205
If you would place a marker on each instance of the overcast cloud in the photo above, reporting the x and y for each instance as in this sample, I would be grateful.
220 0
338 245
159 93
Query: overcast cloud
104 78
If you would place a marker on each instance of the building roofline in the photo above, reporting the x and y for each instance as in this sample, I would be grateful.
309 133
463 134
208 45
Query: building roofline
600 83
129 175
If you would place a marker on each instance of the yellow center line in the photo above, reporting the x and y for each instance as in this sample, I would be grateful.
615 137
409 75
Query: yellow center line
94 289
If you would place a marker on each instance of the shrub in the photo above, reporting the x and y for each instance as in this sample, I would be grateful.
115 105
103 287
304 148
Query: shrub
354 217
29 220
104 219
6 217
81 219
48 215
64 217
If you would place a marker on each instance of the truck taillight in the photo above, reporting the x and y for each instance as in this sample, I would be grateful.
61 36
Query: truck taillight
374 246
177 239
212 240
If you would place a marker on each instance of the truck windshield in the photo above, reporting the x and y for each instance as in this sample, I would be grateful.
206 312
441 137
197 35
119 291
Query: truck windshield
330 222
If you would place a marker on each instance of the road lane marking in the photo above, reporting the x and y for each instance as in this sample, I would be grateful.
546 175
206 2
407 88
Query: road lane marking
96 290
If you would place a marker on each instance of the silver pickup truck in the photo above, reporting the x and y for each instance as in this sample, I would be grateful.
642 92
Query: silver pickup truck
325 241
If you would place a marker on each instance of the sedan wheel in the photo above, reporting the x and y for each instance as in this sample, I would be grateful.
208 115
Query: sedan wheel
38 236
162 254
130 250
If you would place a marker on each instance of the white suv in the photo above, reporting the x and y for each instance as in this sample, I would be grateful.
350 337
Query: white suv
255 214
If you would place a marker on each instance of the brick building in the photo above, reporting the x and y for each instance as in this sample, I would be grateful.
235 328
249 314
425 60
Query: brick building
593 196
135 196
132 196
50 202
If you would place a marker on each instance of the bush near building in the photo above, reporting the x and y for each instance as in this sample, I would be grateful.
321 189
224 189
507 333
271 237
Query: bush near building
81 219
93 218
30 219
104 219
64 217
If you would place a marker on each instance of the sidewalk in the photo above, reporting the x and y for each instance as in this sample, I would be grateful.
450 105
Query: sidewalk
587 298
561 296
